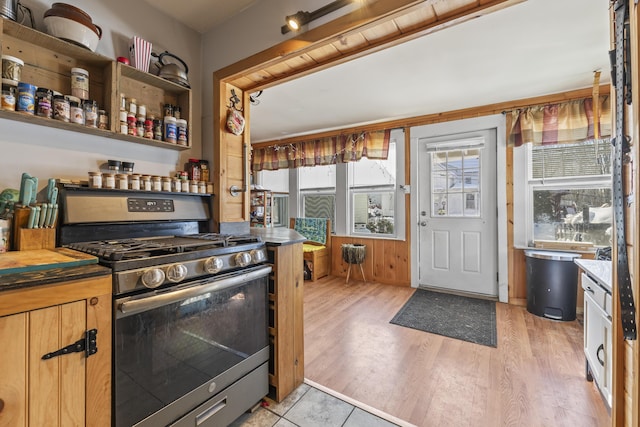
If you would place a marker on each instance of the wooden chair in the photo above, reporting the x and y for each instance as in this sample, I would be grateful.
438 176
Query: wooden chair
317 247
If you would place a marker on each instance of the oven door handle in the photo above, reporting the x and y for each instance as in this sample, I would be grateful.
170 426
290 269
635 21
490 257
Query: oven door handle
138 305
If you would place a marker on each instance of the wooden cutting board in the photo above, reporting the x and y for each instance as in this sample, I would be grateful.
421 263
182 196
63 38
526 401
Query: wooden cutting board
43 259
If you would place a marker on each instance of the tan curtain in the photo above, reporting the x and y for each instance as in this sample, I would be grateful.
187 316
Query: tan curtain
566 122
322 151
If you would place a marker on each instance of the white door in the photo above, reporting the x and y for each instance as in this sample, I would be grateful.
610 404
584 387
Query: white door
457 212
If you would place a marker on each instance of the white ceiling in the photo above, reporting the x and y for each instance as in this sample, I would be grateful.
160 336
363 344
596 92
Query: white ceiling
534 48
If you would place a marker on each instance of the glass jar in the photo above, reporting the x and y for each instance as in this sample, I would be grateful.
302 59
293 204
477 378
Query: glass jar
132 107
134 182
95 180
44 100
193 186
148 128
176 185
76 113
209 187
168 110
202 187
80 83
127 167
176 112
184 185
146 183
109 180
61 108
166 183
103 120
142 111
122 181
193 169
90 113
156 183
140 126
114 166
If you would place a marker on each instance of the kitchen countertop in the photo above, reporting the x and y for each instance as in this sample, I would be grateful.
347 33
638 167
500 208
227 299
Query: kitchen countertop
54 275
278 235
598 270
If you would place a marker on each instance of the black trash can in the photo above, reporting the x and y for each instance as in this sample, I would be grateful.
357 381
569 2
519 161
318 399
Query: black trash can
552 284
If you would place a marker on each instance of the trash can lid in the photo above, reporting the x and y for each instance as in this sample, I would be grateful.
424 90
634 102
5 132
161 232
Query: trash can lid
553 255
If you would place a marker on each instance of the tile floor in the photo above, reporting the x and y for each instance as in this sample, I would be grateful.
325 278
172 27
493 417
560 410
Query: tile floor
309 406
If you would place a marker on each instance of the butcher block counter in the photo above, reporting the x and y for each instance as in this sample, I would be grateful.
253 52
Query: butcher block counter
55 316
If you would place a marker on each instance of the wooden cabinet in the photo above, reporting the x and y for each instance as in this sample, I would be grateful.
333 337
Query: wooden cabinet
286 332
261 208
67 390
48 62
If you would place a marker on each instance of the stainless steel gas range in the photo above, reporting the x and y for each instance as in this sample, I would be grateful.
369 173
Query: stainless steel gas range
190 333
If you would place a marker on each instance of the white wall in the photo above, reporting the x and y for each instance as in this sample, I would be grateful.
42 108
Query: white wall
47 152
251 31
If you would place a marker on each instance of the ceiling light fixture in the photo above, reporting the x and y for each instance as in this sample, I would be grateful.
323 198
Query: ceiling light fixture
296 21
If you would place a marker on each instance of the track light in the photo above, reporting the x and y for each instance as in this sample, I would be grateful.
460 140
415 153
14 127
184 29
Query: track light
296 21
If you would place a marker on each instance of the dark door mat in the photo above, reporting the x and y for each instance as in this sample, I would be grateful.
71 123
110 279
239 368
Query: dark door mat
454 316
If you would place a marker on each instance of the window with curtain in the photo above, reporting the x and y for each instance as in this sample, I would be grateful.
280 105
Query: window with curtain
566 177
317 192
570 191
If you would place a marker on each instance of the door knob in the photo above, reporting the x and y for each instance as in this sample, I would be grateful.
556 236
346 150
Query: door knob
423 223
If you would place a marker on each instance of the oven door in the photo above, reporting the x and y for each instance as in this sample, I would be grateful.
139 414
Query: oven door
175 348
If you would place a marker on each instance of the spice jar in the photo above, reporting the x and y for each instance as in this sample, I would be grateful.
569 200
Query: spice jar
103 120
146 183
127 167
176 112
122 181
170 130
202 187
114 165
76 113
166 183
156 183
142 111
193 169
134 182
176 184
61 108
168 110
95 180
181 125
148 128
140 126
157 129
80 83
131 124
193 187
44 99
184 185
109 180
90 113
132 107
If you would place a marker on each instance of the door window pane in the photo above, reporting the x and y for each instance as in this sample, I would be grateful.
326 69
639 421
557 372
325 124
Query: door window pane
455 182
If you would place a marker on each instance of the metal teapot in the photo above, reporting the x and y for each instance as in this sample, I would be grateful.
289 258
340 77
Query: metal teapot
172 71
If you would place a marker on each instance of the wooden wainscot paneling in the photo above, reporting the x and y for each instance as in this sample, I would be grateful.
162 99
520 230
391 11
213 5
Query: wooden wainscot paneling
386 261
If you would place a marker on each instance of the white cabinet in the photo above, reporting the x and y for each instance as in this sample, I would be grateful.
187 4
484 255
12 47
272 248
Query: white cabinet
597 335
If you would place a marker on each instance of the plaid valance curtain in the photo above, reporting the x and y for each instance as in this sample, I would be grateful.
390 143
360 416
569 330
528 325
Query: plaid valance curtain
566 122
322 151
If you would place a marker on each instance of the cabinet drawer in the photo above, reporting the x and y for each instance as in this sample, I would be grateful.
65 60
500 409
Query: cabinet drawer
598 293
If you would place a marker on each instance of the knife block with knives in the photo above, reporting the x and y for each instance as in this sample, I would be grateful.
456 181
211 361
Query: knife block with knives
34 223
26 239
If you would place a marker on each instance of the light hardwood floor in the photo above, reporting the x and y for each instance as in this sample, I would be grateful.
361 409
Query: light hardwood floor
535 377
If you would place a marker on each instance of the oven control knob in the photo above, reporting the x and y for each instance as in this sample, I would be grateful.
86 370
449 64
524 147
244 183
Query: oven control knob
213 264
152 278
243 259
176 273
258 256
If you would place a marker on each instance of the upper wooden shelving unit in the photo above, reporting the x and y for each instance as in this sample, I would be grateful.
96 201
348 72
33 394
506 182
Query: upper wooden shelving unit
48 62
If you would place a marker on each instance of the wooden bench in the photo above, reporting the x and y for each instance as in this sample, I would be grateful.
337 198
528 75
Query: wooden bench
317 247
